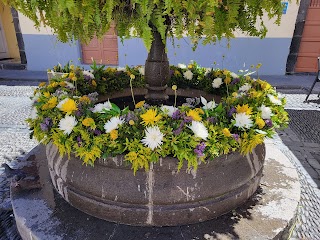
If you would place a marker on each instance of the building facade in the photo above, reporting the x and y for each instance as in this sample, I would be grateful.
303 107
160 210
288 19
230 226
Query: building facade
24 47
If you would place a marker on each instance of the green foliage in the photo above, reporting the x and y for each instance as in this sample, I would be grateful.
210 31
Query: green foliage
212 19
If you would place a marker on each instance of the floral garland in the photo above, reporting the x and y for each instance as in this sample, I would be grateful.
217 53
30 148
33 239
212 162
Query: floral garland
66 113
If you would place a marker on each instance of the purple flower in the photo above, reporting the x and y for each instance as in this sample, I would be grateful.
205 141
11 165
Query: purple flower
79 141
176 115
48 121
231 111
93 96
86 78
212 120
130 116
187 119
236 136
200 149
235 81
44 127
177 131
97 132
268 123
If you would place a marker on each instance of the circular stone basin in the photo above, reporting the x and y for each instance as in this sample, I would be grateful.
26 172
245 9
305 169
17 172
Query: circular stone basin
162 196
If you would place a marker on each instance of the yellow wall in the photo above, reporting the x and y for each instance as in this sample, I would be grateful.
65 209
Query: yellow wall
7 22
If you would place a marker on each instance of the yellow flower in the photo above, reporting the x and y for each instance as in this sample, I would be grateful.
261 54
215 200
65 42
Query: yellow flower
53 85
226 132
94 83
71 75
190 66
89 122
255 94
177 73
63 84
234 94
85 99
104 79
131 122
140 104
71 66
42 84
194 114
244 109
174 87
260 122
46 94
132 76
50 104
259 65
227 80
248 78
69 106
150 117
74 79
114 134
265 85
226 72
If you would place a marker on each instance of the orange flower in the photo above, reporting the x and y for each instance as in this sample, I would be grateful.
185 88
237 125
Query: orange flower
114 134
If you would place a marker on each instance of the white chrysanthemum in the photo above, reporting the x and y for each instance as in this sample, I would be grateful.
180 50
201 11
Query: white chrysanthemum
243 120
62 102
34 113
234 75
217 82
112 124
67 123
101 107
70 85
199 130
88 73
183 66
274 99
169 110
141 70
36 97
207 71
188 75
245 87
121 69
206 104
266 112
153 138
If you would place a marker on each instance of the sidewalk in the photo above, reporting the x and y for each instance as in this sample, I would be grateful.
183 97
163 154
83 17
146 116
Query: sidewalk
294 83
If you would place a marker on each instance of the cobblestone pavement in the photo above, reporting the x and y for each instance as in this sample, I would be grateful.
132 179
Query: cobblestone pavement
300 143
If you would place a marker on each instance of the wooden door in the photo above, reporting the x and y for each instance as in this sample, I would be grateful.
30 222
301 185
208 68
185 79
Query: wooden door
3 43
104 51
309 49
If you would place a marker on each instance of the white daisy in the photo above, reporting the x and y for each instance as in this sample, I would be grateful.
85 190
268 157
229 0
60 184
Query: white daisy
245 87
183 66
112 124
141 70
67 123
199 130
188 75
206 104
153 138
88 73
101 107
243 120
234 75
121 69
266 112
169 110
274 99
217 82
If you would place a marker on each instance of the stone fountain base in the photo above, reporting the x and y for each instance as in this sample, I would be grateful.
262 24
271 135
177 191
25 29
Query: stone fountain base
41 213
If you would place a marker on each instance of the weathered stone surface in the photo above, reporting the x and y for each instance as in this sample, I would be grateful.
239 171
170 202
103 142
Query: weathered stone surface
42 214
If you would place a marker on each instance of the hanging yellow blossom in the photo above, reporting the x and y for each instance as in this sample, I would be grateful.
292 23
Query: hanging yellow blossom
89 122
132 76
260 122
194 114
174 87
69 106
227 80
140 104
150 117
114 134
226 132
131 122
244 109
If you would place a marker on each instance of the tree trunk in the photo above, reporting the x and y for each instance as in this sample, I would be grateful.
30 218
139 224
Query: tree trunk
157 71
